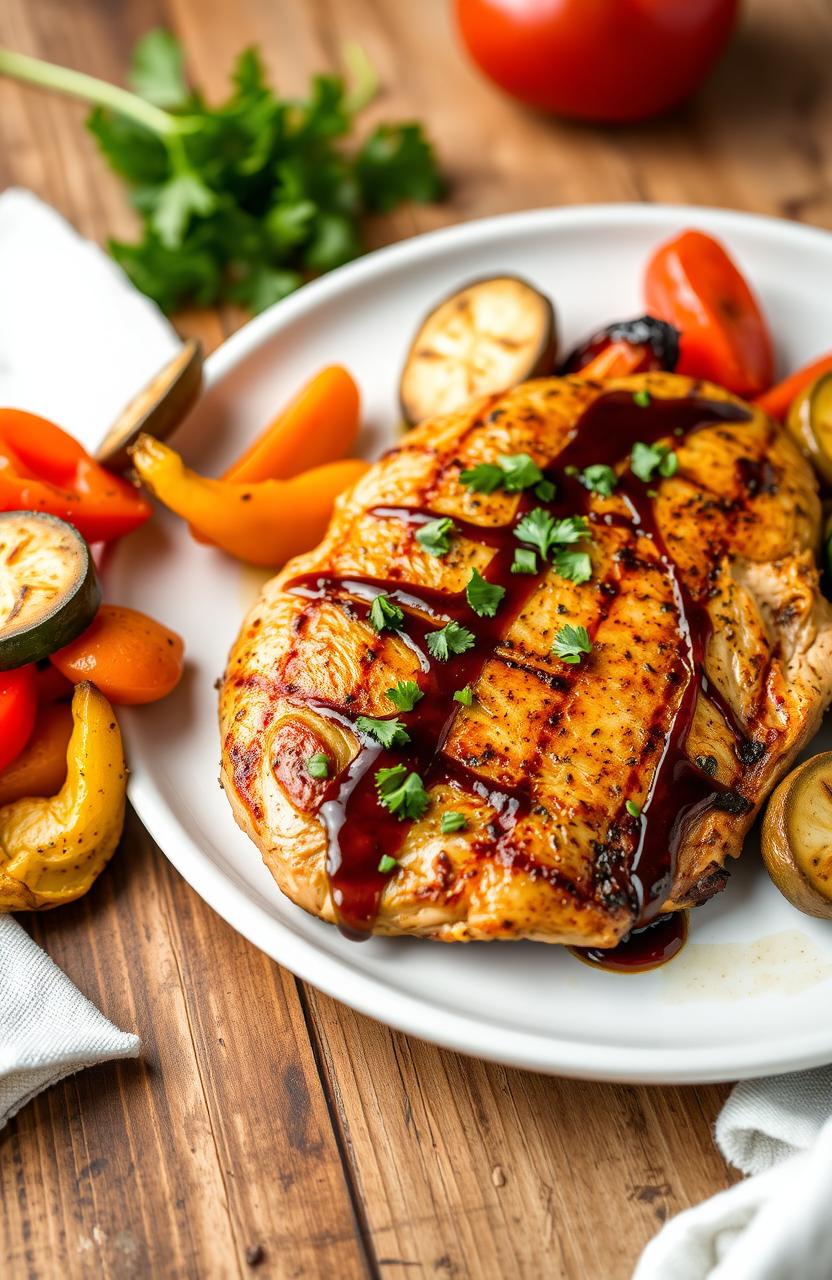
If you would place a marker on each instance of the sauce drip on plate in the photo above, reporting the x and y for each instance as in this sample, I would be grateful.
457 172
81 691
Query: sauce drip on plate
642 949
360 828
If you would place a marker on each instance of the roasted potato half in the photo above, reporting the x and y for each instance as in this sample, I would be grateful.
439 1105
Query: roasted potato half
797 837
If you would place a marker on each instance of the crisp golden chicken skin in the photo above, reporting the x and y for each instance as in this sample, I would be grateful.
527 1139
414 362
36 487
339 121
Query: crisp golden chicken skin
592 792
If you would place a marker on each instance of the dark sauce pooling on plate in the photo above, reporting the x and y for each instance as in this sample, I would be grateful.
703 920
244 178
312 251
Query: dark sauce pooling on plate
361 830
642 949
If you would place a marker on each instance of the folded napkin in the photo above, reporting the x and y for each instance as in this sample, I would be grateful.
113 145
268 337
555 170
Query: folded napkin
76 342
777 1224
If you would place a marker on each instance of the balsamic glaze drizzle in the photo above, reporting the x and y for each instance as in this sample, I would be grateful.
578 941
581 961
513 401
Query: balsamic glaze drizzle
361 830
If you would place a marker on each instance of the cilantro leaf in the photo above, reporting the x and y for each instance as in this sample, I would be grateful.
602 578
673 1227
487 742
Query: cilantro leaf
545 490
485 477
570 529
647 459
571 643
397 163
317 766
484 597
452 820
576 566
385 614
519 471
390 733
525 561
179 199
642 399
599 478
156 70
543 532
465 696
400 792
451 639
633 809
435 536
386 863
404 695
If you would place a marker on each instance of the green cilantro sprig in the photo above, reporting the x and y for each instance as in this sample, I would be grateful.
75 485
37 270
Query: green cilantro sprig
552 538
401 793
512 472
464 696
390 733
600 479
404 695
451 639
244 200
452 820
318 765
571 643
648 460
484 597
436 535
385 614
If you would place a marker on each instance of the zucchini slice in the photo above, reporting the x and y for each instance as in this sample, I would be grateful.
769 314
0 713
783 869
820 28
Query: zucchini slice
158 408
49 590
484 338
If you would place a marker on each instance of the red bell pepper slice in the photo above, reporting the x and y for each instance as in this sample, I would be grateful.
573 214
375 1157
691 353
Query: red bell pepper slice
44 469
18 708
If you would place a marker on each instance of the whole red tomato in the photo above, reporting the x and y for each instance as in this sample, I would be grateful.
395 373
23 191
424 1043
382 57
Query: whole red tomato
603 60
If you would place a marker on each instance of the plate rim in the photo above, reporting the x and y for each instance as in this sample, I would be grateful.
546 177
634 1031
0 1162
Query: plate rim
367 994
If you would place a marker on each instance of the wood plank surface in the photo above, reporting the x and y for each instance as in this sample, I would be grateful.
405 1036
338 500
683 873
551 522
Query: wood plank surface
266 1126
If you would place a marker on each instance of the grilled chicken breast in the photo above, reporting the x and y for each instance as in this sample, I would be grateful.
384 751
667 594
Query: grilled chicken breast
594 793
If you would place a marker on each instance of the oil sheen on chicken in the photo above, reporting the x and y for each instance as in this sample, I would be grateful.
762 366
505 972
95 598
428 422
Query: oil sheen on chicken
710 667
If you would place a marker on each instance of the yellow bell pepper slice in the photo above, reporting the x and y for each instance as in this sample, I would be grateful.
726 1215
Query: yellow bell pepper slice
265 522
52 848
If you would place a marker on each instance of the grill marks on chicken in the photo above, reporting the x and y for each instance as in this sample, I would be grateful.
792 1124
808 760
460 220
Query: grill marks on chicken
714 576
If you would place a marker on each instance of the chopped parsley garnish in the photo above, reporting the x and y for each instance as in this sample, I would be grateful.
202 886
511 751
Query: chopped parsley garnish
387 864
317 766
544 533
451 639
642 399
633 809
435 536
525 561
404 695
545 491
453 820
512 472
647 460
465 696
599 478
571 643
401 792
484 597
384 613
575 566
390 733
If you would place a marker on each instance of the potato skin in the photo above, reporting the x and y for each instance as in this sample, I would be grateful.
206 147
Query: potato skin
776 846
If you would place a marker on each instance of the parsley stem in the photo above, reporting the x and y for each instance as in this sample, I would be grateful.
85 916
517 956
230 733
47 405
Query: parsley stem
100 92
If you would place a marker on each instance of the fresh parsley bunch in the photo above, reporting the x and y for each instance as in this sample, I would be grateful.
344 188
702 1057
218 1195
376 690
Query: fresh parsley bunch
247 199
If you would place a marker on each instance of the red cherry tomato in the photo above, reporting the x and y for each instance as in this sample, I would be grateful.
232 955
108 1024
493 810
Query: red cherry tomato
18 708
693 284
605 60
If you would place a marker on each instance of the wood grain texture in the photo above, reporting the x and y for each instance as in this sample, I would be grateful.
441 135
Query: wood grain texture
263 1116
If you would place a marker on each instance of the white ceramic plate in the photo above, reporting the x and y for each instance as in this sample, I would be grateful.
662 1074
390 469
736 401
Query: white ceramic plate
751 993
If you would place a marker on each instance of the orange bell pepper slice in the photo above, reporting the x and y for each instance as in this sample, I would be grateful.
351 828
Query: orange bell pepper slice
42 468
128 656
777 401
265 523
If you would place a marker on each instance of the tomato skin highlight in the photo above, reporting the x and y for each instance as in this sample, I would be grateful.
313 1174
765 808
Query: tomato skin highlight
610 61
18 709
130 657
692 283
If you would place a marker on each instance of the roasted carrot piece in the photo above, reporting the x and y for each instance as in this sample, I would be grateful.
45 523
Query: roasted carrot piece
777 401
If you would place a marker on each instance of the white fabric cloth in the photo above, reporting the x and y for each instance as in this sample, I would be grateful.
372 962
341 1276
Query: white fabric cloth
77 341
777 1224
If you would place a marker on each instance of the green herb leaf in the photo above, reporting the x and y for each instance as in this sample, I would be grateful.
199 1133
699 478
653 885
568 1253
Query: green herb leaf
525 561
404 695
540 529
648 459
571 643
397 163
484 597
633 809
178 200
599 478
156 70
400 792
390 733
545 491
465 696
435 536
451 639
317 766
385 614
386 863
519 471
642 399
483 478
452 820
576 566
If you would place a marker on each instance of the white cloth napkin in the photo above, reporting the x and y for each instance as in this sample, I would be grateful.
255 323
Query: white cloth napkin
777 1224
76 342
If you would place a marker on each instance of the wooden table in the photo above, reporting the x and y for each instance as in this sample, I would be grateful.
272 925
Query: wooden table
266 1125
